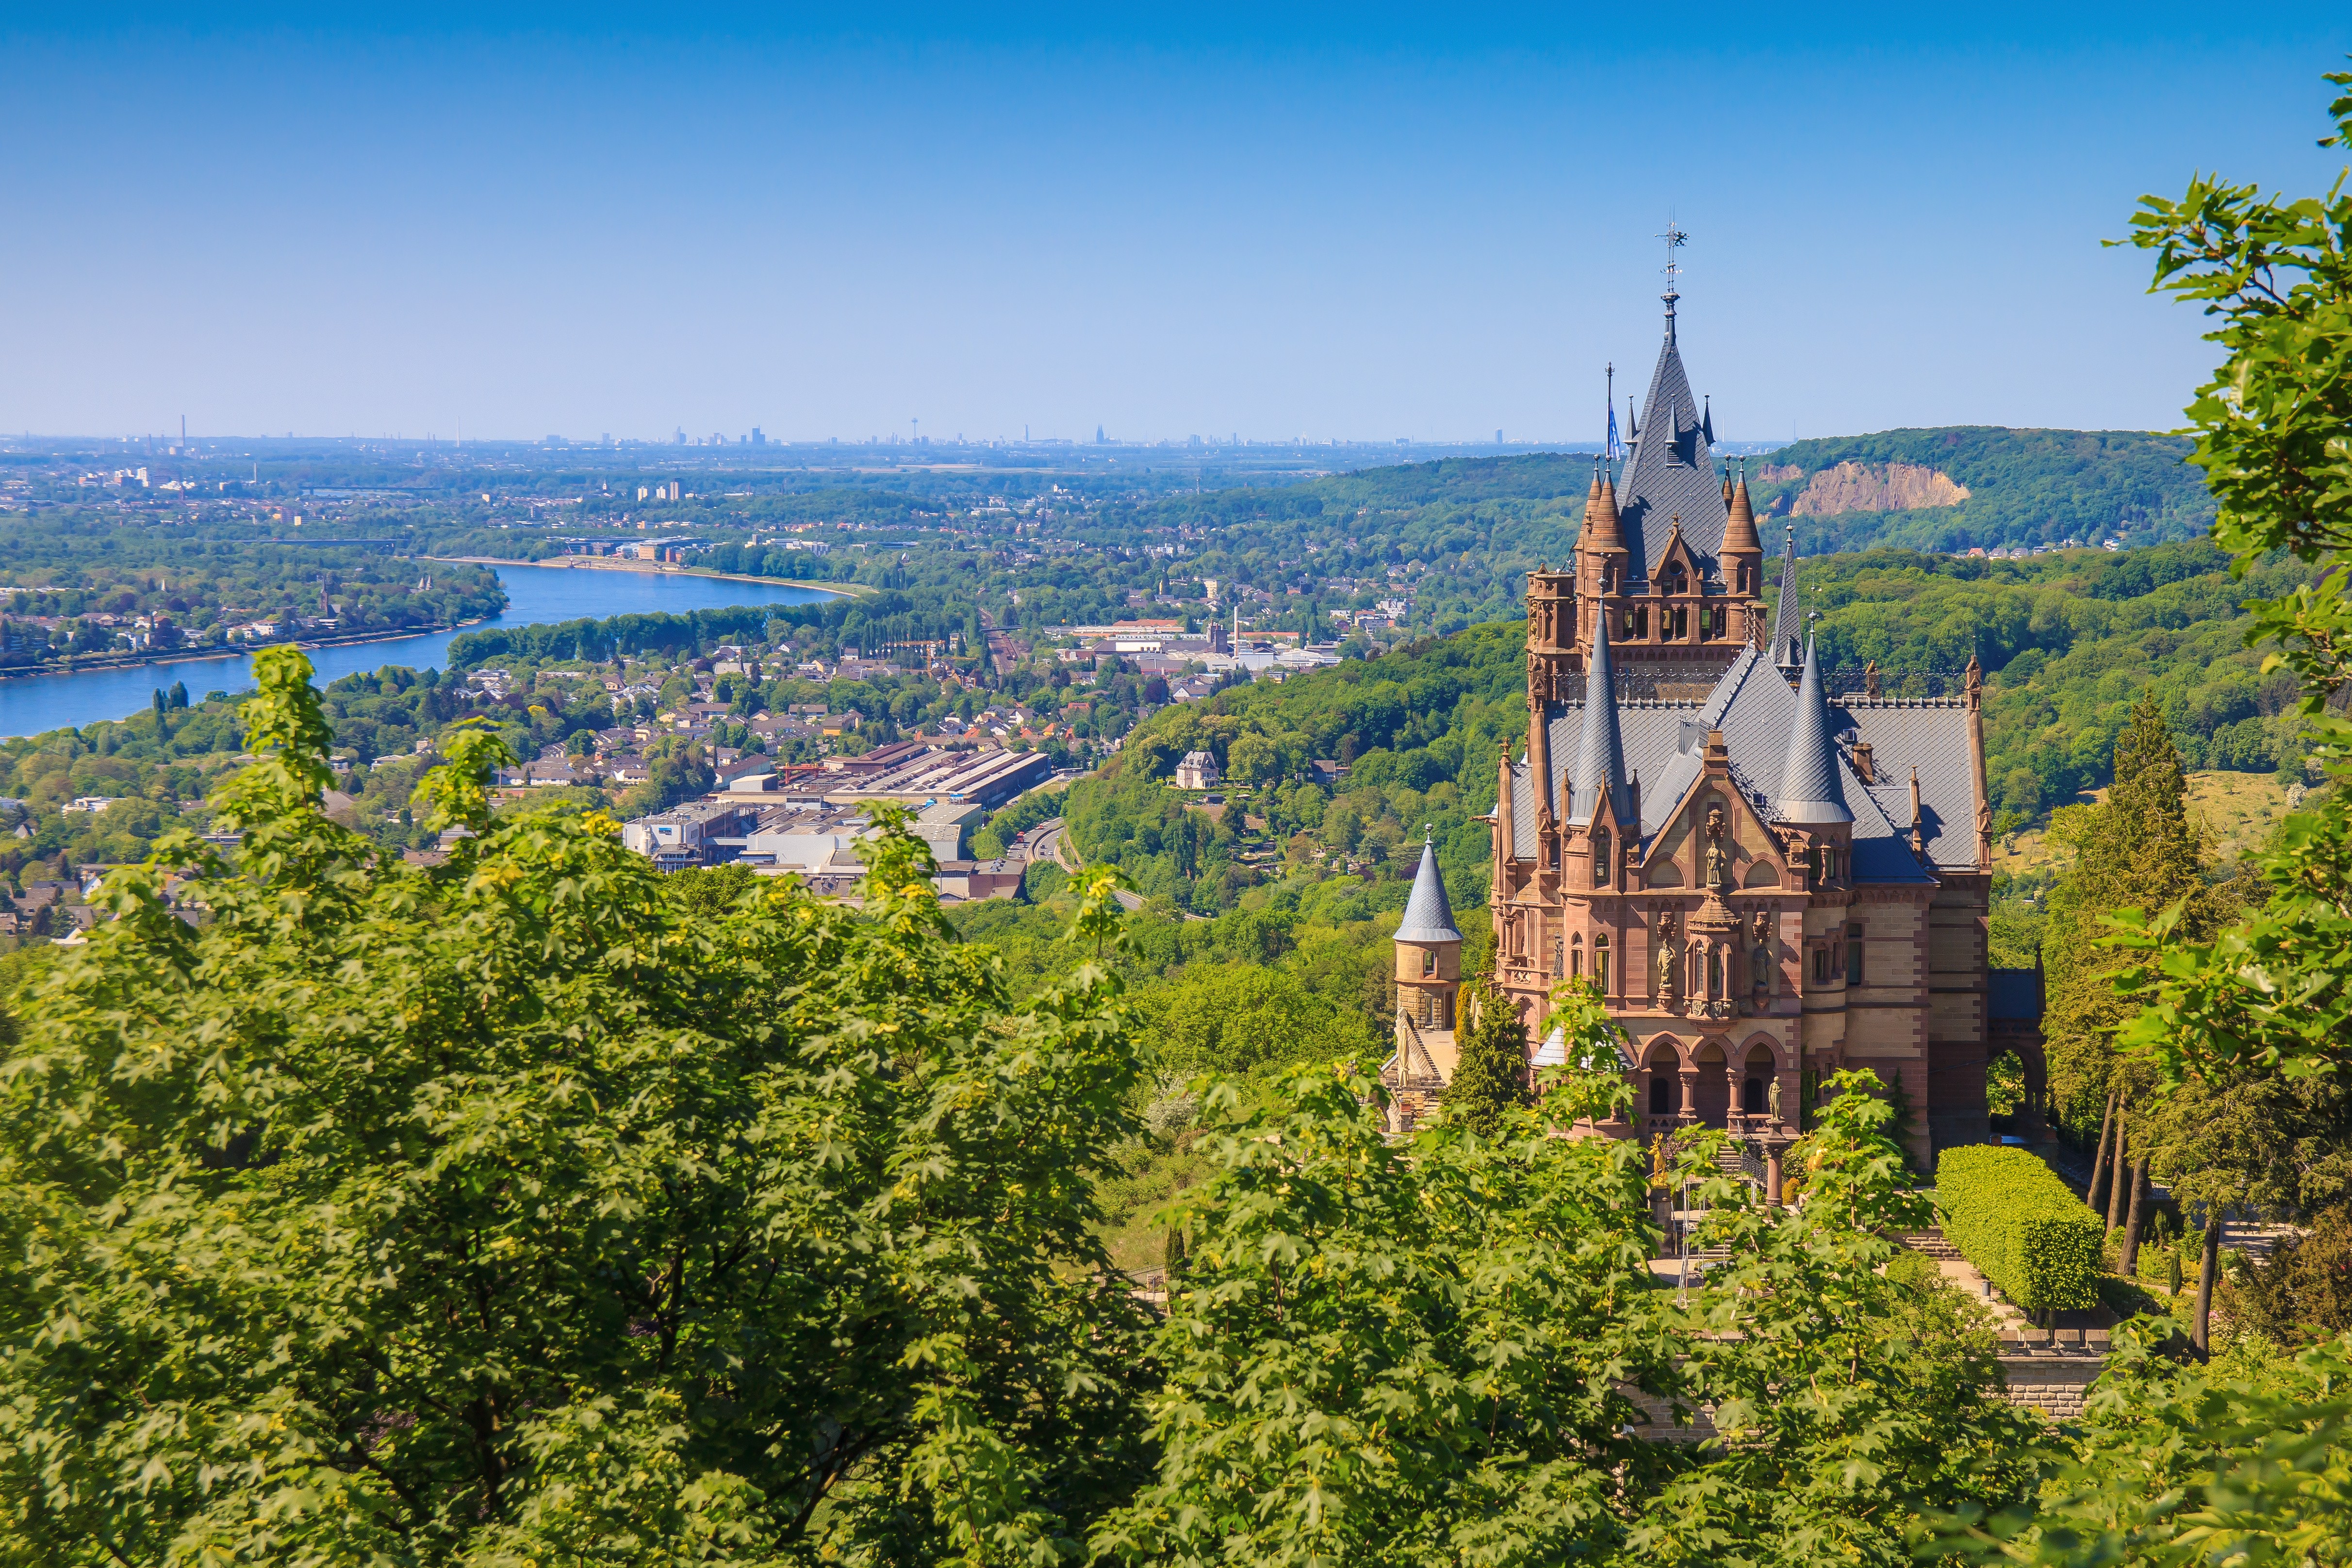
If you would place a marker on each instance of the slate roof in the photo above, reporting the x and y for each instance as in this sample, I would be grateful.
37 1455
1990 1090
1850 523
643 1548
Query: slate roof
1932 735
1786 647
1672 471
2014 995
1601 754
1427 916
1812 785
1664 746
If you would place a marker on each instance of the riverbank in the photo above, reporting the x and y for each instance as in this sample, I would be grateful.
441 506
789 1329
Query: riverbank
61 698
661 568
90 664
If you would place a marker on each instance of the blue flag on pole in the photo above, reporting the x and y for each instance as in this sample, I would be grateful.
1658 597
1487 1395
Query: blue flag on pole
1615 452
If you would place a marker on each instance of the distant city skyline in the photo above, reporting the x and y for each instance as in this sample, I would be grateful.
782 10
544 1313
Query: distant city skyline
1354 224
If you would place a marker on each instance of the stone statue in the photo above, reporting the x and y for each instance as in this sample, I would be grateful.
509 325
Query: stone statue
1718 869
1667 958
1760 960
1772 1099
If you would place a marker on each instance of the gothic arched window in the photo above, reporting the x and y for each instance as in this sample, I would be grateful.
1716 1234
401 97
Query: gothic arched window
1600 962
1600 858
1576 958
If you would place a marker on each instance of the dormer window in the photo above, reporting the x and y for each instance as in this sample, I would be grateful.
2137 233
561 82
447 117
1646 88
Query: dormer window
1677 579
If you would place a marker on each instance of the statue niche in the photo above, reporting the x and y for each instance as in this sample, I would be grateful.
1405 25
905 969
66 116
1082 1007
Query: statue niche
1718 864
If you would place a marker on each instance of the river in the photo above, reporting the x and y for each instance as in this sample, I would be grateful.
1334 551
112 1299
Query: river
34 703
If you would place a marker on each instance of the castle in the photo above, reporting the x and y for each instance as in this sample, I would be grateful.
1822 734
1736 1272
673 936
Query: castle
1768 881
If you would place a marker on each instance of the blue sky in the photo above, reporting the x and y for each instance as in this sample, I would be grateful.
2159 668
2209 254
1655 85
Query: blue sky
1365 223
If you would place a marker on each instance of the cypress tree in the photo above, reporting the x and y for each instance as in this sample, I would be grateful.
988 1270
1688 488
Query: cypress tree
1490 1064
2135 849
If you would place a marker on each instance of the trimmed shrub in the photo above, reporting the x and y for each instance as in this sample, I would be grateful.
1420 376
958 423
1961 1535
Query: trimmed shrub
2023 1228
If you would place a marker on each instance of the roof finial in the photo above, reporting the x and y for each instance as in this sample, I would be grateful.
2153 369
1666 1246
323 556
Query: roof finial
1675 237
1612 451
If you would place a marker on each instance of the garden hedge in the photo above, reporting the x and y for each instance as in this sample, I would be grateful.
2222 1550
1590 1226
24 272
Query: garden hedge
2024 1229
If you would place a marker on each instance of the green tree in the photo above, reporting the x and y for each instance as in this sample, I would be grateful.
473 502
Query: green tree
1428 1352
2136 849
2237 1462
1490 1063
504 1212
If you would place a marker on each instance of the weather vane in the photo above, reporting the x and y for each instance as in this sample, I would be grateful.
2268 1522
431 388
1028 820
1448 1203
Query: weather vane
1675 239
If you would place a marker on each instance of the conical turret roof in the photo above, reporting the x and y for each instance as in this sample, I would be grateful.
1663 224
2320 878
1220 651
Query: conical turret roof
1784 613
1427 916
1811 790
1601 755
1739 532
1601 523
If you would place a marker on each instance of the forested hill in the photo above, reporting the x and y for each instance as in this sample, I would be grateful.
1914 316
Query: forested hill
2068 640
1478 524
2023 487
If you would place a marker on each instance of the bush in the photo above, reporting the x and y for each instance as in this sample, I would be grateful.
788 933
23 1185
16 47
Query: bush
2304 1293
2012 1216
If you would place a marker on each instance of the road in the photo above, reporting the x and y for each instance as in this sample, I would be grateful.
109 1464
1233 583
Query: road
1050 841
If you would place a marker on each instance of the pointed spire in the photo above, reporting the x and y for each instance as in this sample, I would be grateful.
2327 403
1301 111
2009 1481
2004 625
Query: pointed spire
1739 532
1784 614
1811 790
1601 524
1600 756
1427 916
1706 419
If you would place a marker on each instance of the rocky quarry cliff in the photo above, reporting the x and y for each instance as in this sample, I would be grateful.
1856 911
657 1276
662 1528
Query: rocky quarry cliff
1868 487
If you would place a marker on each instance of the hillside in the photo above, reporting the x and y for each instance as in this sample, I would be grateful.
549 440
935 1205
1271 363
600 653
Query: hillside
2067 641
1983 486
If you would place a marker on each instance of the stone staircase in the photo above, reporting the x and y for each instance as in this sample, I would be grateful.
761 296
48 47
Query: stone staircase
1932 1243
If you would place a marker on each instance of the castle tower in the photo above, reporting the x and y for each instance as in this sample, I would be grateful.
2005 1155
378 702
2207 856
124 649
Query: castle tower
1741 559
1429 955
1428 988
1663 554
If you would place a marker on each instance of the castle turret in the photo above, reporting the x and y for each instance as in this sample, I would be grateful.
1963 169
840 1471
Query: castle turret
1428 986
1742 555
1811 793
1428 952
